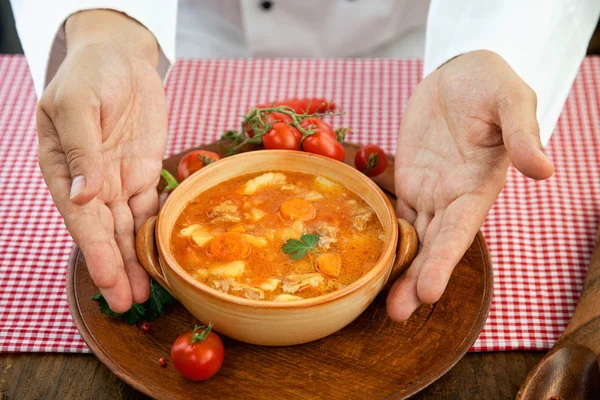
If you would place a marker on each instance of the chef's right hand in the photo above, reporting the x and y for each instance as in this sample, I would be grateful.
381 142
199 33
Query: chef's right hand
102 128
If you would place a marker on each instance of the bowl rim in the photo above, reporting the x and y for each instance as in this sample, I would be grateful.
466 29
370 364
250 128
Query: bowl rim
384 262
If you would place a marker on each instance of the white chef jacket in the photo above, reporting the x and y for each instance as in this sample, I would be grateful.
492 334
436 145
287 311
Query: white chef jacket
543 40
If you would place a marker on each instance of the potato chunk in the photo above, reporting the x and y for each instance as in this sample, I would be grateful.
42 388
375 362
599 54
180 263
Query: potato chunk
256 241
229 270
325 184
201 237
255 214
312 196
264 180
270 285
293 232
189 230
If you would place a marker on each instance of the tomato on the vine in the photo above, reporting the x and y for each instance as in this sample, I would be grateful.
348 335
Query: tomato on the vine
370 160
321 142
282 136
198 356
318 125
300 106
273 118
193 161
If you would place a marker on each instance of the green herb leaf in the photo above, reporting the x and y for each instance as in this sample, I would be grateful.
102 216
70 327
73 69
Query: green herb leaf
299 248
171 181
230 135
153 308
159 298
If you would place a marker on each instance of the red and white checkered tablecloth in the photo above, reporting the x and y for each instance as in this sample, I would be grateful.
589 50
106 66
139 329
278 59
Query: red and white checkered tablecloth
540 234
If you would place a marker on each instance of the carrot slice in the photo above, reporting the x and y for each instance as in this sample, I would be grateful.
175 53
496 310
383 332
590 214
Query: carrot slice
329 263
229 246
297 209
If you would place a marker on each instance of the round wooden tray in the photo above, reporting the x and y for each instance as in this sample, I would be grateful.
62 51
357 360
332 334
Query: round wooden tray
372 357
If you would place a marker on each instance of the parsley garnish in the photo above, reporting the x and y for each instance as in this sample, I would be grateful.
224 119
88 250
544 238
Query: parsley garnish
153 308
298 248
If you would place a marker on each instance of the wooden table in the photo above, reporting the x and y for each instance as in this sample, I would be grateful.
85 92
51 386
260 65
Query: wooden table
81 376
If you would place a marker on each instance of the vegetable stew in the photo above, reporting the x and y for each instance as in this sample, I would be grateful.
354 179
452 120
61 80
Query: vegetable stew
279 236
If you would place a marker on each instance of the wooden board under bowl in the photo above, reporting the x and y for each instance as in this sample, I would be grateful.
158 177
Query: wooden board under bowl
372 358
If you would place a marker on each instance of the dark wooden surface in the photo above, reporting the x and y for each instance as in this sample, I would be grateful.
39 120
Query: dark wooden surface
70 376
373 355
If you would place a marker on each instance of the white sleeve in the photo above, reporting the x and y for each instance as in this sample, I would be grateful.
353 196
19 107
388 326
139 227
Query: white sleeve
40 24
544 41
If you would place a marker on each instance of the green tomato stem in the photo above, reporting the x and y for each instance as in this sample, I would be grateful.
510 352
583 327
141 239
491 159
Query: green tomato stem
199 337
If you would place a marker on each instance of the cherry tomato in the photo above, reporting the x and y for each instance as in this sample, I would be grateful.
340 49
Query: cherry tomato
370 160
282 136
198 354
317 124
273 118
301 105
324 144
193 161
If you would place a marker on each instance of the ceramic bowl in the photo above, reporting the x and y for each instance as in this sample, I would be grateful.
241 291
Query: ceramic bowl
263 322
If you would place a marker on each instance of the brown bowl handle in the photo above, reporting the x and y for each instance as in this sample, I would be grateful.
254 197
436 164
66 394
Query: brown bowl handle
145 246
408 243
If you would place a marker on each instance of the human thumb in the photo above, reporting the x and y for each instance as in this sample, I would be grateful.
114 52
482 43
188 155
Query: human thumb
516 110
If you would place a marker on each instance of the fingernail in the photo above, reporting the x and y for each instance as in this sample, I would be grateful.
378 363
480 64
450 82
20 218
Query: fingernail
77 185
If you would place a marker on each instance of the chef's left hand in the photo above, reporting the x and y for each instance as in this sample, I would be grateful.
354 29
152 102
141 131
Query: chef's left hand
463 125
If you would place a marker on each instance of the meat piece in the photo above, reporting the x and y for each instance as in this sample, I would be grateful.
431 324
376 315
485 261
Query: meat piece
222 284
287 297
360 219
224 213
327 235
231 286
264 180
226 218
334 284
200 274
227 207
296 282
247 291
